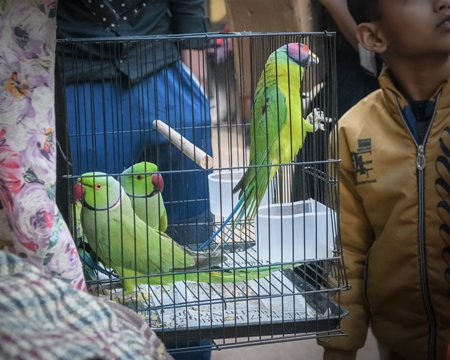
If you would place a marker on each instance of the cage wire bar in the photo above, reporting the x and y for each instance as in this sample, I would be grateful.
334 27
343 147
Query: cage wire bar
111 103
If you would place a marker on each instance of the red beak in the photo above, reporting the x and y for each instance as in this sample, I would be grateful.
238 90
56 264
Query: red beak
78 192
158 183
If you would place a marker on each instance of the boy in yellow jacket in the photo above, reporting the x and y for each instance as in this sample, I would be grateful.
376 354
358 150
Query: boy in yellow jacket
395 186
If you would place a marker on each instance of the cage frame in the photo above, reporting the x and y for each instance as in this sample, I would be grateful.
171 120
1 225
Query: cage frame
325 327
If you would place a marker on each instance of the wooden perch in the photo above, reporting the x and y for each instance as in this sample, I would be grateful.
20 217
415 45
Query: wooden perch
194 153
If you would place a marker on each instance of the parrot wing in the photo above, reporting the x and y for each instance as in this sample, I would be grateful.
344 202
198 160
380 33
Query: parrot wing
269 115
96 234
145 249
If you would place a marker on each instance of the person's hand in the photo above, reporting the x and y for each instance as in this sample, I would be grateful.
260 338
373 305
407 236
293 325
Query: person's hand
195 60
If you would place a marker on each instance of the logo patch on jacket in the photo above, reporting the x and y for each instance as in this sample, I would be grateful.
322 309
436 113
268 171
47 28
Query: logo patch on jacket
362 162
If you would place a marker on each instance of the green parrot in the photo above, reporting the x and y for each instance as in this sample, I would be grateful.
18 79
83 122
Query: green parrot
135 250
277 127
144 186
87 256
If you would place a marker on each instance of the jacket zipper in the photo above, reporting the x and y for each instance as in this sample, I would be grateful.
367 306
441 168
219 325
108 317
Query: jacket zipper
420 165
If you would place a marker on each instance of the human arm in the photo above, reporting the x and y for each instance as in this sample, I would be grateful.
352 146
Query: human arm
188 16
195 60
341 15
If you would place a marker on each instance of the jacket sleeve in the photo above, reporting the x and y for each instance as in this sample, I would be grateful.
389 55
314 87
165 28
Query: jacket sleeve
188 16
357 237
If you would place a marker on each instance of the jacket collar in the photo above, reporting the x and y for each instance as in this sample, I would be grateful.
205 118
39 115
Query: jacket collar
392 94
396 101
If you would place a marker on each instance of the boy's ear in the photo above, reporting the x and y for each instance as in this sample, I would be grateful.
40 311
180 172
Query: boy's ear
370 38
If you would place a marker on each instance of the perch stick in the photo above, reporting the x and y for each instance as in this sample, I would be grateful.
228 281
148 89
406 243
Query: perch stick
187 148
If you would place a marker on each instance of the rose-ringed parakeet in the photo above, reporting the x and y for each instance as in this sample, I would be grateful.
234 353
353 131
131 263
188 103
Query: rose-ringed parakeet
87 257
277 127
144 186
135 250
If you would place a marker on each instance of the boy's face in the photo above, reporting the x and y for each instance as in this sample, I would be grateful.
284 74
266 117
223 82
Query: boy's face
416 27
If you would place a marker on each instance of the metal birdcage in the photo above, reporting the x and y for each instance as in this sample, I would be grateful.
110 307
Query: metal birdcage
123 105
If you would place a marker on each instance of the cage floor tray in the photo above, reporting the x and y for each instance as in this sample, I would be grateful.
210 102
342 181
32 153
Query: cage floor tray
281 303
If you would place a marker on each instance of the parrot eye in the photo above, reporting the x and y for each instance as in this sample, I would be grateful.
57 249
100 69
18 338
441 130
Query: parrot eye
98 186
140 177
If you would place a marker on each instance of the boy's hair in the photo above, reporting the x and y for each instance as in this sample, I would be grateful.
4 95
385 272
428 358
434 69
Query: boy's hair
364 10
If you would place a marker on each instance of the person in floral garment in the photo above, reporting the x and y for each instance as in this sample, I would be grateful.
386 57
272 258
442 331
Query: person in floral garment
31 225
44 308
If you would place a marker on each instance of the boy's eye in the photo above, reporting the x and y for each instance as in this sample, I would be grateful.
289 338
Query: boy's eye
140 177
98 186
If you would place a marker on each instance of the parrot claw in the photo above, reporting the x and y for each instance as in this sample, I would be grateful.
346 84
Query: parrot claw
318 119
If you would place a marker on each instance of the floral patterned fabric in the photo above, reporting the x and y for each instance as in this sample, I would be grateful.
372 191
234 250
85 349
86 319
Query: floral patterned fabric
29 218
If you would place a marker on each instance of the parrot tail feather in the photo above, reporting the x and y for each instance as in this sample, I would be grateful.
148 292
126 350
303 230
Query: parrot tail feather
220 275
204 260
225 223
87 260
240 185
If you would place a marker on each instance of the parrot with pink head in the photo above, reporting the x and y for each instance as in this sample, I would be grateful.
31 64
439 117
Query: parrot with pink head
277 127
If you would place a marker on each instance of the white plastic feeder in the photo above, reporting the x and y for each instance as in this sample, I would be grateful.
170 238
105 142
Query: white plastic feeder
221 197
297 231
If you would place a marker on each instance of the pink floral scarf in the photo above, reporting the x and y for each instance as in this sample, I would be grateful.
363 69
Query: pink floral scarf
30 220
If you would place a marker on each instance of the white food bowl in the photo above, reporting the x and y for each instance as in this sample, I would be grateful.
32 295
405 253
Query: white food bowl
221 197
292 232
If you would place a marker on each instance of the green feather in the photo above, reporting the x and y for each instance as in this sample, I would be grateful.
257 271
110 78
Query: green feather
277 130
138 253
147 203
277 127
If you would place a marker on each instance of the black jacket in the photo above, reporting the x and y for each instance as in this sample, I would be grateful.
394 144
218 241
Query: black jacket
130 60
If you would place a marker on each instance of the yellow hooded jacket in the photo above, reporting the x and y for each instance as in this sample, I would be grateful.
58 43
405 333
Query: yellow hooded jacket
395 226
